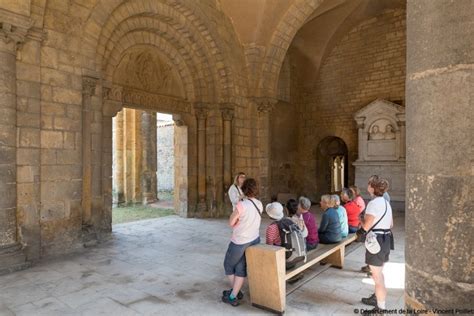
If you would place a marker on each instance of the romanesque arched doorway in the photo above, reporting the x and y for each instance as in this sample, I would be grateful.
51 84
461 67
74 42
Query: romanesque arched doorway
331 165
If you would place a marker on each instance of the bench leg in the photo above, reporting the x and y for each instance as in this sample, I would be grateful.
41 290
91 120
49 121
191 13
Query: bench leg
336 259
266 275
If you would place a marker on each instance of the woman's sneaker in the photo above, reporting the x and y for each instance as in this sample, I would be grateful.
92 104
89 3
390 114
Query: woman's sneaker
227 293
226 299
371 300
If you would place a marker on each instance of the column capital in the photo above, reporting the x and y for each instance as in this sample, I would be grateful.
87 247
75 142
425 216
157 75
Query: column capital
88 85
12 36
401 118
178 120
201 110
227 110
264 104
360 120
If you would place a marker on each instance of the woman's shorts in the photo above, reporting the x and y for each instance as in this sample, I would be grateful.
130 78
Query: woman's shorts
380 258
234 262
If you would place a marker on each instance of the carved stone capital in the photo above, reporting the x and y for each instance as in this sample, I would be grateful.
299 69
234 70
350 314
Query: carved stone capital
178 120
88 85
401 118
201 110
360 122
264 104
401 123
228 111
12 36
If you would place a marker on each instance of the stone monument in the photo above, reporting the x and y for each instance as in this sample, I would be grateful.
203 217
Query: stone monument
381 126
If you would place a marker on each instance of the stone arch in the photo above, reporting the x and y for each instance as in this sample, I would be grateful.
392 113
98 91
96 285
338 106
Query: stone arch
104 19
168 51
146 27
281 39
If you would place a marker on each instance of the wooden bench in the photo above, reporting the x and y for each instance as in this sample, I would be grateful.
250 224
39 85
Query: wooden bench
267 276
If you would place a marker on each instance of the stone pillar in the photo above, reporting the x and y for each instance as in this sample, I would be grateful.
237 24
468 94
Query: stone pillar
10 38
88 89
149 162
110 109
362 136
401 125
201 111
264 108
227 110
439 94
119 163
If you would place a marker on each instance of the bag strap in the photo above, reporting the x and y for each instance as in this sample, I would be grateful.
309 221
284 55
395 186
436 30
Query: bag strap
380 217
238 189
258 211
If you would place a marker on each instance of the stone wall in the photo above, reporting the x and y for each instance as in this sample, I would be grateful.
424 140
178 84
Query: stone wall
165 156
368 63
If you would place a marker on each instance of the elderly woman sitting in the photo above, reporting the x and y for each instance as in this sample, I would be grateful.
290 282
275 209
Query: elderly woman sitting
330 229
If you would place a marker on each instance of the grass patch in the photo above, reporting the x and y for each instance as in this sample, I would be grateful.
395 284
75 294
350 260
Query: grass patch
137 213
165 195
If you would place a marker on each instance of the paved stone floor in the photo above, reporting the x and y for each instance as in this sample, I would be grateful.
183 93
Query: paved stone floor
173 266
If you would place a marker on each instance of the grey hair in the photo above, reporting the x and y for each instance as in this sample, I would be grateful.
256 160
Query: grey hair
305 203
336 199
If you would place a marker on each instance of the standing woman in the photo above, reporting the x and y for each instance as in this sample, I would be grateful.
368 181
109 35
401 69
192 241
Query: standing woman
245 222
235 191
378 218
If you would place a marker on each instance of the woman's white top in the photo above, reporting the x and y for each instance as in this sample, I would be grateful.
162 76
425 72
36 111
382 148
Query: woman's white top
376 208
247 228
235 195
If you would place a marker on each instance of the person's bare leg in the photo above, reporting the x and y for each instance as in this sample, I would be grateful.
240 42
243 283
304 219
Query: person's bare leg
231 279
238 283
380 290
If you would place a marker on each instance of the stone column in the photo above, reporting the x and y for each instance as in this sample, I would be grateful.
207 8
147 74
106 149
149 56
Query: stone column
439 94
362 138
110 109
88 89
401 125
10 37
149 162
227 110
118 168
201 111
264 108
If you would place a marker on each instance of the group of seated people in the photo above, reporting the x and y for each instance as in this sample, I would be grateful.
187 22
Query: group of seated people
336 223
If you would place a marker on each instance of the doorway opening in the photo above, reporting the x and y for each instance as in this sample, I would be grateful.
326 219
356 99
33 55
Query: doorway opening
144 166
331 165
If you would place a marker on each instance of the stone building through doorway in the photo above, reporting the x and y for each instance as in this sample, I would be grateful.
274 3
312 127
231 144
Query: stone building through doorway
145 171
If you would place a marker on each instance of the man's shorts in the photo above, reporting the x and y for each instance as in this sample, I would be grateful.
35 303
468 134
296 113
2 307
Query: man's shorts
234 262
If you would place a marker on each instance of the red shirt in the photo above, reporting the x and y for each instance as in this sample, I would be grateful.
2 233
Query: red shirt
272 235
353 212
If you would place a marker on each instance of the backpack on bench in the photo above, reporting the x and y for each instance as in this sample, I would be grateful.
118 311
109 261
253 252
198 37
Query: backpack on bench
292 239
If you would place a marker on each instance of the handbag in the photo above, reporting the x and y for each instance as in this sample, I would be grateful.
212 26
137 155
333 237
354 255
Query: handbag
371 243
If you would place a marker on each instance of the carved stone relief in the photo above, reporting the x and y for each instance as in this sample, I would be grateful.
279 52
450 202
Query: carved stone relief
143 68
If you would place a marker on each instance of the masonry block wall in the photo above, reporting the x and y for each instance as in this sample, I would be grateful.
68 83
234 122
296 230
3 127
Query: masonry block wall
368 63
165 156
